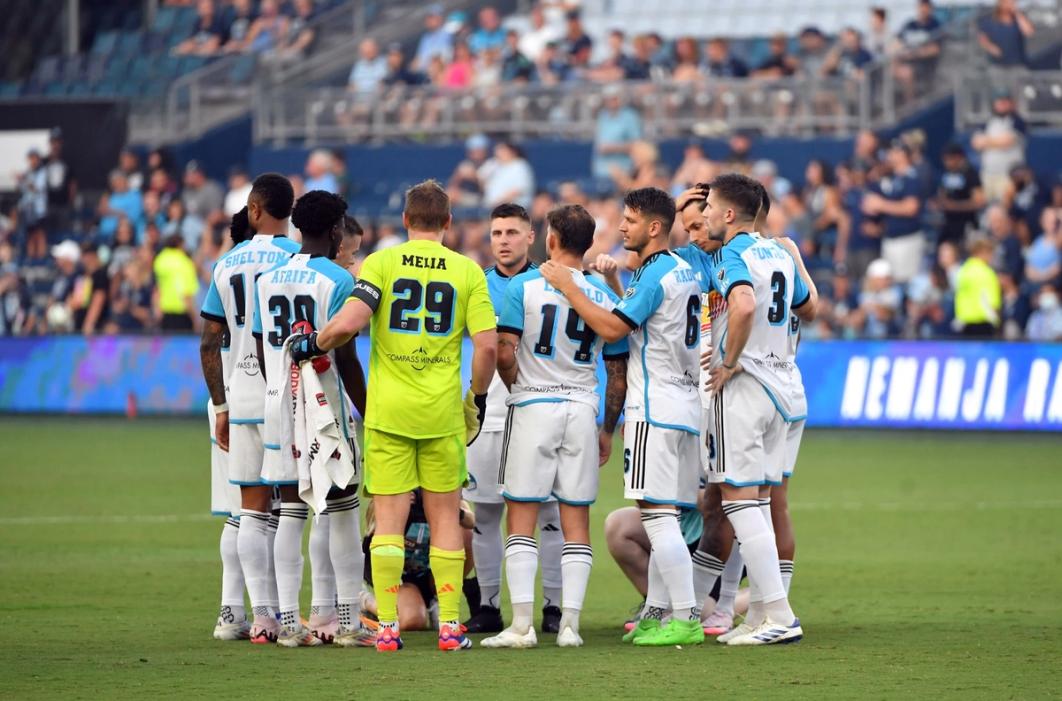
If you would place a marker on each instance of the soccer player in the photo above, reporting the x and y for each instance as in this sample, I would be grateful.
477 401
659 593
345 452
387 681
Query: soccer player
419 298
350 243
227 334
547 357
750 377
310 289
661 313
511 237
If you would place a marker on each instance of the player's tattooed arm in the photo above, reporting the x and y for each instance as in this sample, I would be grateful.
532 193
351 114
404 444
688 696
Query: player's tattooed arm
210 358
615 391
352 375
507 343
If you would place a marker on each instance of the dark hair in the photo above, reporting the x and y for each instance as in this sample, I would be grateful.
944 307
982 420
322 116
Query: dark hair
652 202
240 227
879 11
573 226
317 213
510 209
954 149
741 191
351 227
826 169
274 192
427 206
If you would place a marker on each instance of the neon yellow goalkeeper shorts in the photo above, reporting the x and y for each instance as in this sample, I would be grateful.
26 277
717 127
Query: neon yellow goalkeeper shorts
397 464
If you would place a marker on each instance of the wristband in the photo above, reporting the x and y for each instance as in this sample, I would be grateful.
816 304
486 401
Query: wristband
221 408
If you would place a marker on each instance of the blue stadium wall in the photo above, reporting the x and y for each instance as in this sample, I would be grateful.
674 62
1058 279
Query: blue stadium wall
870 384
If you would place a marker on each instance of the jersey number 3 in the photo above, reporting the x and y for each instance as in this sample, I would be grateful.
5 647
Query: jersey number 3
777 312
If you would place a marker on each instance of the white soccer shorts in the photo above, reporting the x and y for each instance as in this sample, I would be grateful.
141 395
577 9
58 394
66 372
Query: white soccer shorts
794 433
748 435
550 449
706 445
484 460
660 465
245 454
224 497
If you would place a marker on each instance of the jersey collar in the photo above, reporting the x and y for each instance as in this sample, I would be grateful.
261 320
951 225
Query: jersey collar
654 256
499 273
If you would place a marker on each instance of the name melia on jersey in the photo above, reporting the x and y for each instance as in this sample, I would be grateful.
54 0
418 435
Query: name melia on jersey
253 257
424 262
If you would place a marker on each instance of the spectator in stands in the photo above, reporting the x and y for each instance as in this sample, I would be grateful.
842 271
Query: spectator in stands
238 19
119 201
645 171
978 298
461 71
879 40
507 177
37 272
162 185
720 63
15 318
1002 145
299 35
687 64
694 168
61 185
33 189
618 126
779 62
898 200
1045 324
1043 261
131 297
959 196
268 30
435 42
464 186
516 67
239 188
930 300
92 292
915 140
534 40
487 72
880 303
152 214
613 67
848 57
319 172
203 198
917 50
1009 258
397 72
207 35
177 286
369 70
62 302
1002 34
577 44
1024 201
867 152
490 34
639 65
129 164
766 172
812 52
739 159
823 204
180 223
551 67
123 248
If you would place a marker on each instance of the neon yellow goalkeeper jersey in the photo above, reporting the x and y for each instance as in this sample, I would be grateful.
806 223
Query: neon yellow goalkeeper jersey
423 296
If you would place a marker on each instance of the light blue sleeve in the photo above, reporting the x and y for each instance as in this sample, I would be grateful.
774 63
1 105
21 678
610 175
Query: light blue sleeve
701 263
643 297
511 316
801 293
256 318
344 287
733 270
212 306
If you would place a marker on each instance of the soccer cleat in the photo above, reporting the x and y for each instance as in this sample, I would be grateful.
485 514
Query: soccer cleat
551 618
644 626
297 636
633 616
237 630
569 638
487 620
743 629
717 623
512 638
676 632
324 628
388 639
355 637
770 633
264 630
452 637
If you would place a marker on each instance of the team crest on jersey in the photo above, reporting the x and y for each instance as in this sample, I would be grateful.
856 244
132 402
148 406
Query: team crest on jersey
628 293
249 365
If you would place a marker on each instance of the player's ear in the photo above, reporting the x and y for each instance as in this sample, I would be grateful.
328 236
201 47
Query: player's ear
405 221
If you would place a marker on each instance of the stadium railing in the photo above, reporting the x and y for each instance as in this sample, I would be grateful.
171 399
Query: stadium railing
1037 94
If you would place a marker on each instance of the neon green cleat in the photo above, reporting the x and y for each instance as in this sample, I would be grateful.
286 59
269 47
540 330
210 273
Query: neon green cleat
644 627
674 633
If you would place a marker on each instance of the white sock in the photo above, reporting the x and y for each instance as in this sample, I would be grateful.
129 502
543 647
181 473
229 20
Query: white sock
252 544
760 554
731 580
347 557
673 559
232 609
656 603
287 556
786 567
765 509
576 562
271 539
521 565
322 576
488 552
706 570
551 549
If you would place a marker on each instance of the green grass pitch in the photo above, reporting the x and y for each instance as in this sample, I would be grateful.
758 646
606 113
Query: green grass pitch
928 566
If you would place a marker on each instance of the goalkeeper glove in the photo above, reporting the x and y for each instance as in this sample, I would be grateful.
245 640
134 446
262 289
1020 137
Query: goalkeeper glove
475 407
304 346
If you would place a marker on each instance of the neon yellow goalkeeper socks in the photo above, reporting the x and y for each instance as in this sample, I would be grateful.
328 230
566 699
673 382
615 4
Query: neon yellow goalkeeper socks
448 568
388 553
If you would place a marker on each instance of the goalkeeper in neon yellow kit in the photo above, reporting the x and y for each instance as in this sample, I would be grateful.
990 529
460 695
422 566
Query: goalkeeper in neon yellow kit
419 297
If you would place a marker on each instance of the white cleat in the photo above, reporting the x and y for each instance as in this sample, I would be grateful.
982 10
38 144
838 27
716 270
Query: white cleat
239 630
569 638
743 629
512 638
355 637
299 636
717 623
770 633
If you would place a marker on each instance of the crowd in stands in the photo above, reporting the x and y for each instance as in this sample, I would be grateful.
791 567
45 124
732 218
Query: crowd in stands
266 27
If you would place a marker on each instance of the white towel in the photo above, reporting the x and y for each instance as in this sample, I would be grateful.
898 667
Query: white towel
327 460
278 431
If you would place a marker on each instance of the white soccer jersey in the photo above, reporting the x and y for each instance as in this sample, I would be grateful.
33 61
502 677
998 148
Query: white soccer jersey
712 305
304 288
750 259
557 355
663 307
229 301
791 347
